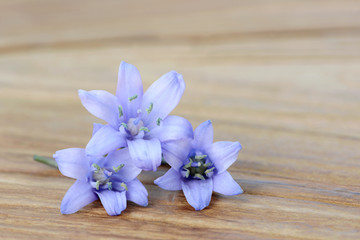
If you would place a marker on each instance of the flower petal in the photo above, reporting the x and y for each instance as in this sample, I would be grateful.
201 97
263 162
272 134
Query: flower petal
78 196
171 180
114 202
128 172
172 128
198 192
223 154
72 162
96 127
146 154
137 193
176 152
225 184
203 135
101 104
129 85
164 94
105 140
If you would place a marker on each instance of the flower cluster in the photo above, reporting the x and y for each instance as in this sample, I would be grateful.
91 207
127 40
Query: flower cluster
139 134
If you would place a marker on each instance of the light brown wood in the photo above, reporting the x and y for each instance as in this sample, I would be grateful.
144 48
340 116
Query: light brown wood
282 77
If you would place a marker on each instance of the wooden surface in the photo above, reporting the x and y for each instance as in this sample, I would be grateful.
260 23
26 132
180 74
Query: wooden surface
282 77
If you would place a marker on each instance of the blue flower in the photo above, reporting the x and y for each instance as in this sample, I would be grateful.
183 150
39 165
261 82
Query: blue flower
112 179
198 167
135 119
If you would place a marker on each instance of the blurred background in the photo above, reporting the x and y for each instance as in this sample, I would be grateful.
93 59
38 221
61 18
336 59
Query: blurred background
280 76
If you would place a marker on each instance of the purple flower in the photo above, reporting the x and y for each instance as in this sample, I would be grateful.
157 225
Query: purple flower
112 179
136 120
198 167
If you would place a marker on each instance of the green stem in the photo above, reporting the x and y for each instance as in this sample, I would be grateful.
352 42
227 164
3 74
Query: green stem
46 160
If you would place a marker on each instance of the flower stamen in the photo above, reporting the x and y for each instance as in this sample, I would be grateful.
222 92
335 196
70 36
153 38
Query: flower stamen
158 121
145 129
198 168
200 157
120 111
97 184
109 185
187 173
116 169
209 170
150 108
124 186
189 164
96 166
133 97
199 176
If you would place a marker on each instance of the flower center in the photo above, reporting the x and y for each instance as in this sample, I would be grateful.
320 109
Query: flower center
198 167
134 125
102 177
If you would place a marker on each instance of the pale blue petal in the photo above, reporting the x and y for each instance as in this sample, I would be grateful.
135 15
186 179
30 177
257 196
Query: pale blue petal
172 128
78 196
223 154
73 163
146 154
203 135
225 184
129 85
171 180
114 202
106 140
164 94
137 193
128 172
176 152
198 192
96 127
101 104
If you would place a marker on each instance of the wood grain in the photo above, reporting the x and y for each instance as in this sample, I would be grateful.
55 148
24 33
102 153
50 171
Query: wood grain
281 77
